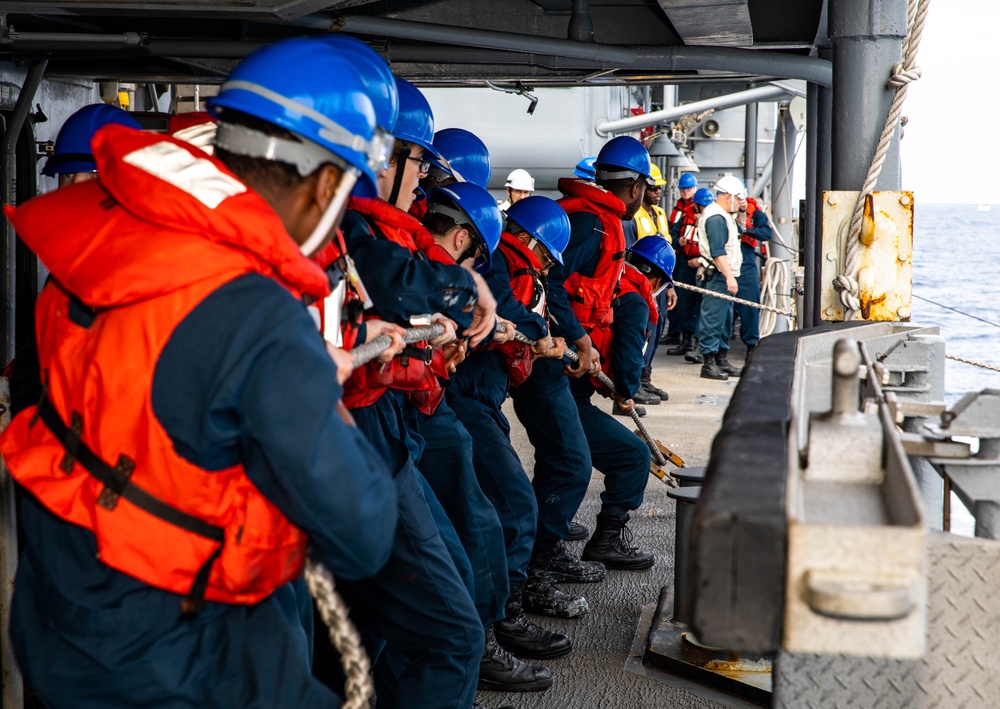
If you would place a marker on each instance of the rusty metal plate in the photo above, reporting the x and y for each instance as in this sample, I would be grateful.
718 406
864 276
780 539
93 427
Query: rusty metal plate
885 271
959 669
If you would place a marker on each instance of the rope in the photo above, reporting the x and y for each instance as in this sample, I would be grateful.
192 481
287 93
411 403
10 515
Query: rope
903 74
368 351
573 357
775 293
357 683
974 363
956 310
787 312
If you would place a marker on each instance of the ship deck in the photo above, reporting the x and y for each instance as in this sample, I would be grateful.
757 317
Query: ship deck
605 669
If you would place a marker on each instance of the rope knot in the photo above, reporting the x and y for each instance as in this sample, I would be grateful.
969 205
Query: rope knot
848 288
903 75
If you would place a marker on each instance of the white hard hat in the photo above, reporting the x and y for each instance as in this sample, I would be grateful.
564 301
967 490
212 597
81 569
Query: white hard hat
730 184
520 180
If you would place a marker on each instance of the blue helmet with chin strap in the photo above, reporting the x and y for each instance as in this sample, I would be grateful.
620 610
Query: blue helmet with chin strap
415 123
545 220
468 203
585 169
325 102
621 158
462 154
72 152
703 197
687 180
653 256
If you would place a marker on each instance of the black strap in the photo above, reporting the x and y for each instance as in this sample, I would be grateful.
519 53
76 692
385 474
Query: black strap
421 354
618 256
117 484
397 182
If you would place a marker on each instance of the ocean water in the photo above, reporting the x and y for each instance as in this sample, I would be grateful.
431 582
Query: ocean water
956 263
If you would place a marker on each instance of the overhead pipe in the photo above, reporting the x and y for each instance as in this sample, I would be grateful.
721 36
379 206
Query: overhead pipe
740 98
581 26
56 39
646 58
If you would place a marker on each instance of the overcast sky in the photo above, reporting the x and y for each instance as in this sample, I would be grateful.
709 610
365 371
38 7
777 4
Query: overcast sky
950 151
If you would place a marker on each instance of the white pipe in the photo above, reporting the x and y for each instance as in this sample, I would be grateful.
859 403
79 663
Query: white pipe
740 98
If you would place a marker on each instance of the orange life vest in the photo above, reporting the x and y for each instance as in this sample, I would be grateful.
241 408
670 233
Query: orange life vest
143 249
412 371
591 296
524 269
635 282
746 238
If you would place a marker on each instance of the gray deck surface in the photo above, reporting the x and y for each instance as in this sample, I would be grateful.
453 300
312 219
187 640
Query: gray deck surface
603 670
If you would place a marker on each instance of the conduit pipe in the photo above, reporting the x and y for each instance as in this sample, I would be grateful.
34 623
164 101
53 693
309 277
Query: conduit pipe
56 39
646 58
740 98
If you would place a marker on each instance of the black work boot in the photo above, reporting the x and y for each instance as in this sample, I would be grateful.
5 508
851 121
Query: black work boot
499 671
645 397
558 563
684 347
750 349
540 596
523 638
695 355
711 370
640 411
612 545
577 532
722 359
646 383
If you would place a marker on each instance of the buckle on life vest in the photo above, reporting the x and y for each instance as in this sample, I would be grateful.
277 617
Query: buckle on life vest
108 499
71 443
421 354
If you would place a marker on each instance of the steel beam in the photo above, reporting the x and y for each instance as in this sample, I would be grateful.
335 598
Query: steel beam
824 181
750 145
810 243
782 173
867 40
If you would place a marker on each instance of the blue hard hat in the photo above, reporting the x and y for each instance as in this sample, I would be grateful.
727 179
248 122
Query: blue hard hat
687 180
703 196
625 153
464 153
376 75
415 123
656 251
313 90
585 168
545 220
477 208
72 152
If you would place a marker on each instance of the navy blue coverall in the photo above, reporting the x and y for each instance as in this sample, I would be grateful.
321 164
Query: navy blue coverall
419 604
476 393
749 280
243 378
715 322
616 451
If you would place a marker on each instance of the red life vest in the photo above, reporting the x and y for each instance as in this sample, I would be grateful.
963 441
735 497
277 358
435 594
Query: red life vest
145 246
351 304
684 212
591 296
635 282
746 238
412 371
524 269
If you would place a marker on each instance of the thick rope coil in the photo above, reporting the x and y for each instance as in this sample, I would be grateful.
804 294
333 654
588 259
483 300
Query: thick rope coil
974 363
786 312
903 74
775 292
344 636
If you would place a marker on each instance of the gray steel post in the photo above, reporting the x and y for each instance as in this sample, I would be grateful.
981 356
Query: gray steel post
867 40
750 145
13 690
824 181
812 236
782 175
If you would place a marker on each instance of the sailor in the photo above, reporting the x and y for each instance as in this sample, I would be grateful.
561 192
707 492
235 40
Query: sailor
178 471
72 162
537 231
686 271
520 184
459 156
590 275
720 258
652 220
648 265
682 326
755 228
465 224
585 169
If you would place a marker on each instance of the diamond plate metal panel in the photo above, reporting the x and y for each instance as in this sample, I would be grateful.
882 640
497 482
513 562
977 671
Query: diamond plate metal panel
959 670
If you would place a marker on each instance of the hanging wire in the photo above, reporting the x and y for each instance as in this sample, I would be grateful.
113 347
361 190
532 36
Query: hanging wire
956 310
